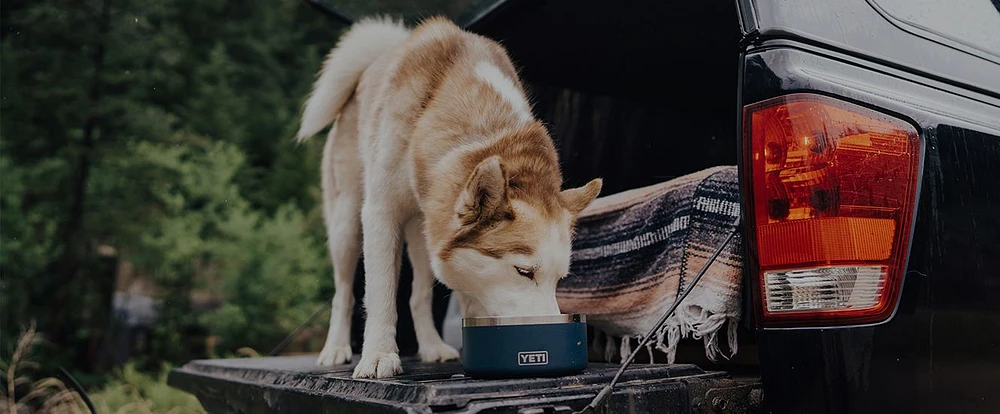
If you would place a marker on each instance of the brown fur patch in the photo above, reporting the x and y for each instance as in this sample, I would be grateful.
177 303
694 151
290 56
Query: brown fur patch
530 159
427 63
495 239
533 177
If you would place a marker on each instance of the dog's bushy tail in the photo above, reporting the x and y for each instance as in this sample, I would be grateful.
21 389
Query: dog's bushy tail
357 49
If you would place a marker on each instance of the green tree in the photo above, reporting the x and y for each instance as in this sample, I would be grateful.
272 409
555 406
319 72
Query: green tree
71 102
154 127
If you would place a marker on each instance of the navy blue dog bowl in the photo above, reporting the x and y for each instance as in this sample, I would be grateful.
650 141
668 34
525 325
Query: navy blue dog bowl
524 346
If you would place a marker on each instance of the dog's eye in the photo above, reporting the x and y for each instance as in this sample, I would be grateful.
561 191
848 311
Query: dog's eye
528 272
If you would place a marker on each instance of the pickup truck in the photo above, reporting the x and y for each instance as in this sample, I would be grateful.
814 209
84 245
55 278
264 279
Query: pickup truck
867 135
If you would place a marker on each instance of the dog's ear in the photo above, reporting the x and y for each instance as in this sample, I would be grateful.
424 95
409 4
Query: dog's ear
577 199
485 196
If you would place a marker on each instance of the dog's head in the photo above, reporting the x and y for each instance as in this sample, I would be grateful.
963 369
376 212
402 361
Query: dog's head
511 246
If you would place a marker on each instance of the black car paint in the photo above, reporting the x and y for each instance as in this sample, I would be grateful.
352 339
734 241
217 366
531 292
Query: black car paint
859 28
941 350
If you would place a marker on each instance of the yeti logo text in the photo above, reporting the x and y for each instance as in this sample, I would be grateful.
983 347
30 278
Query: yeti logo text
533 358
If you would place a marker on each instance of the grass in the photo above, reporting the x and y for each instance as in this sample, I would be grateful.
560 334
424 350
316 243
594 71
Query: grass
21 394
128 391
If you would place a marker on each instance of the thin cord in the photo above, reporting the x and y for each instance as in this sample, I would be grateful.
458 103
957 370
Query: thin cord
79 390
296 332
606 391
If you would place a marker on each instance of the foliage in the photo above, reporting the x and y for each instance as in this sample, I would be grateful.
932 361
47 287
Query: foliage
272 279
132 391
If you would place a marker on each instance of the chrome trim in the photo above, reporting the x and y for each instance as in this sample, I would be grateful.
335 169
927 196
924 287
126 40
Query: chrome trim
523 320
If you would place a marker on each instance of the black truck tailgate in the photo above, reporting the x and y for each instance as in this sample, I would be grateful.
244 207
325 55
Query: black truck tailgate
296 385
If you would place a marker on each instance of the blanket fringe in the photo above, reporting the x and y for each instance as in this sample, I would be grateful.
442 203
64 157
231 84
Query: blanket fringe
734 324
626 347
696 323
609 348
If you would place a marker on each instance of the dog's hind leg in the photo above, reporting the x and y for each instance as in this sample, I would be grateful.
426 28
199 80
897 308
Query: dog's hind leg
345 244
432 347
342 213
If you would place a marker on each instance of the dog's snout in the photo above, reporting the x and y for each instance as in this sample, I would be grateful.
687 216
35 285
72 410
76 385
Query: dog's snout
524 305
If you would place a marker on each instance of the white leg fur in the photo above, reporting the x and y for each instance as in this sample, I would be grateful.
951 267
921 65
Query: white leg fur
382 249
388 205
342 215
432 347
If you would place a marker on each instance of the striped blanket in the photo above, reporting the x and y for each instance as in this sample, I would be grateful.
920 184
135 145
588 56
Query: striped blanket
633 250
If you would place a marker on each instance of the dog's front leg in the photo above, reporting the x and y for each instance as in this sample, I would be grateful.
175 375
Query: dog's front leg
382 222
432 347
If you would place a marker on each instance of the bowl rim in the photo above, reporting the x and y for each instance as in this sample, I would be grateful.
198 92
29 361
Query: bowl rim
524 320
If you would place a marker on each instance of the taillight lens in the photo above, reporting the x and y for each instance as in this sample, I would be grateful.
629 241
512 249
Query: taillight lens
833 188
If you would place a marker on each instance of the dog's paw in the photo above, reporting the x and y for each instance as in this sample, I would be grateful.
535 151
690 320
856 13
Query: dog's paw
439 352
334 355
378 365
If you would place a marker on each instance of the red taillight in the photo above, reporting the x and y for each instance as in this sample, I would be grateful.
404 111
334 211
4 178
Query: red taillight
833 188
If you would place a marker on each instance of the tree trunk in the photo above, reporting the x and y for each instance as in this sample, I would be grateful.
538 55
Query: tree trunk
73 247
